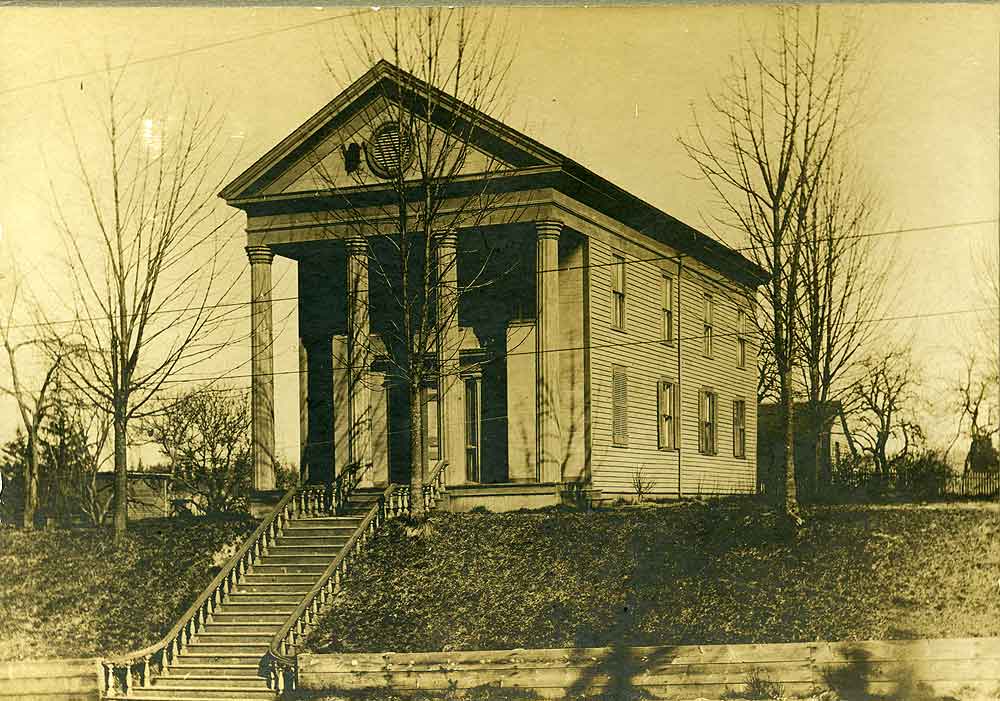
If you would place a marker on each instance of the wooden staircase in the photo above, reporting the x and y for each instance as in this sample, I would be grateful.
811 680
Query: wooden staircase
223 659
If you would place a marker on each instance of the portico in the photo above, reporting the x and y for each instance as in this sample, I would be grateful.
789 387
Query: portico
352 410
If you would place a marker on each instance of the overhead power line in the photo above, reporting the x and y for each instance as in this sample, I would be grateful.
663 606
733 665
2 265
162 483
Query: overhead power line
619 344
546 270
178 53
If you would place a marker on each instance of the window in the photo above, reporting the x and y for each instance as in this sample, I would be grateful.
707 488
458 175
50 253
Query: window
667 304
739 429
741 338
619 405
708 313
707 425
473 472
666 409
618 292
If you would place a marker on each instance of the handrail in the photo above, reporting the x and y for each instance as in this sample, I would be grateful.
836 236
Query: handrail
434 484
279 661
118 672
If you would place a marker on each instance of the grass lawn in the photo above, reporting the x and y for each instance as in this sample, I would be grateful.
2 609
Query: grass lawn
691 573
71 593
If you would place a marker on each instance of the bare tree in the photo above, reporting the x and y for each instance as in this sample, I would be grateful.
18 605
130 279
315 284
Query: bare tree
449 68
144 260
882 404
779 118
976 419
842 290
33 399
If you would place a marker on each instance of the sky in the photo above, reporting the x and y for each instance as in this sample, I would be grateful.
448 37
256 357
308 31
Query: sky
612 88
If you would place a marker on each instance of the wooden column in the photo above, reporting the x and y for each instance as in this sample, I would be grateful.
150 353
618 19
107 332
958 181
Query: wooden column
359 410
549 448
261 367
450 400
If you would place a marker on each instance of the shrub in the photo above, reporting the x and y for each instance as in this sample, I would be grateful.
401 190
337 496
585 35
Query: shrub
923 475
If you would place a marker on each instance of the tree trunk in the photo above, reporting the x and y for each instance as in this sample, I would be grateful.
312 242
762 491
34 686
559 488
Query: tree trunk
31 484
121 478
416 451
791 500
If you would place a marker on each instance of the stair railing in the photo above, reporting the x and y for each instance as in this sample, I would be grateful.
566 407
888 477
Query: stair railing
434 485
279 662
123 674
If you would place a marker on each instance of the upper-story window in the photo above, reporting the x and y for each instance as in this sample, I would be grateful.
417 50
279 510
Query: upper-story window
708 315
667 307
618 291
741 338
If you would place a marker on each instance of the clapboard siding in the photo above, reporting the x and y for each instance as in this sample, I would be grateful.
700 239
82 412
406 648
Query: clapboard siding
722 472
639 348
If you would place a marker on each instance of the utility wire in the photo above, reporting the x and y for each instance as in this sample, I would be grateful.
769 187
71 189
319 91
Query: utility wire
546 270
176 54
620 344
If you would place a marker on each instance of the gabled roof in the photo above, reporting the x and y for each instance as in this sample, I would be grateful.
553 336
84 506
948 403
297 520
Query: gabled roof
525 156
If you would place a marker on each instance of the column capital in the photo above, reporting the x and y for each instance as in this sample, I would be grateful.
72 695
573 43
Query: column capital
446 238
259 254
548 228
356 245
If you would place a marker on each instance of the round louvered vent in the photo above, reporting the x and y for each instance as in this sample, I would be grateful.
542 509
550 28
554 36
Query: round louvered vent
389 151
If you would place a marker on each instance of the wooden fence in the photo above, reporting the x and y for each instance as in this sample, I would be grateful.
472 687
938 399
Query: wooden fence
972 485
50 680
961 669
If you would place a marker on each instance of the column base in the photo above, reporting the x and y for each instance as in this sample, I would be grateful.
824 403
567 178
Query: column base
262 502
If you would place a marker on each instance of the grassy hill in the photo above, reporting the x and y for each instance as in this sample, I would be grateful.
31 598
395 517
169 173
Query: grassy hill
677 574
71 593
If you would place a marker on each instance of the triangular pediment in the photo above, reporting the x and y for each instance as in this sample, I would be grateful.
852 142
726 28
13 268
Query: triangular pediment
339 147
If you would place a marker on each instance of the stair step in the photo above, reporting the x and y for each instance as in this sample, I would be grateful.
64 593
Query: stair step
276 568
297 562
235 660
324 522
288 579
326 550
235 638
241 626
233 649
339 538
230 670
248 615
194 693
174 681
266 598
291 588
296 559
243 610
320 532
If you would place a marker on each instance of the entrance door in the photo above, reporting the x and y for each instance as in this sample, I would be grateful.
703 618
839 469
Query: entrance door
473 429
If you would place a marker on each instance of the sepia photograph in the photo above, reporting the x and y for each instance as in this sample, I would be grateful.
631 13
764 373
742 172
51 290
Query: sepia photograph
500 352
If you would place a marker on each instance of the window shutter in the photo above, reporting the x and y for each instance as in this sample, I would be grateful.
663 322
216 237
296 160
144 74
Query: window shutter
702 438
662 440
619 405
677 416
